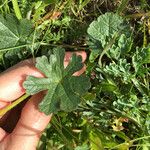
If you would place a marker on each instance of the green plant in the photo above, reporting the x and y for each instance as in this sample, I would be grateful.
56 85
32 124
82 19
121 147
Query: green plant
123 89
64 90
114 113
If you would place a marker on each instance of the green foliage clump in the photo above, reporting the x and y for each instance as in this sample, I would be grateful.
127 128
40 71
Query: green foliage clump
111 112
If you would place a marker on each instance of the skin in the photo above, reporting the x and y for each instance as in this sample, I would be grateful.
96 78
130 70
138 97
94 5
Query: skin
22 127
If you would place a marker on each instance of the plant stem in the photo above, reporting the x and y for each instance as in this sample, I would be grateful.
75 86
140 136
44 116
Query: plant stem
16 9
144 37
12 105
107 47
44 44
64 45
122 6
138 15
130 142
138 86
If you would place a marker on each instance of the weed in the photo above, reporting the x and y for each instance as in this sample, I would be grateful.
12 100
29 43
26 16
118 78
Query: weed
114 113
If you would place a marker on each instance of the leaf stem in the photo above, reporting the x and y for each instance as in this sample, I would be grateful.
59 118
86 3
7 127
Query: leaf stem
138 15
144 37
107 47
138 86
44 44
16 9
12 105
15 47
122 6
64 45
130 142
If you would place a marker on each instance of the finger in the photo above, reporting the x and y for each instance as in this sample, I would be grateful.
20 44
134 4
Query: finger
10 119
68 57
79 53
3 134
3 104
30 126
78 73
11 80
15 76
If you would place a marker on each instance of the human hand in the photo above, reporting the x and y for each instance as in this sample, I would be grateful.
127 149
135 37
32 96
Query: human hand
22 131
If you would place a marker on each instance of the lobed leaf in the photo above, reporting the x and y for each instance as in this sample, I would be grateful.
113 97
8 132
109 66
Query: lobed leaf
121 69
141 56
13 32
103 34
105 27
64 90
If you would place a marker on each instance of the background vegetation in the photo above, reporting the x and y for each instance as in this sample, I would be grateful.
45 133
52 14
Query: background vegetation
115 113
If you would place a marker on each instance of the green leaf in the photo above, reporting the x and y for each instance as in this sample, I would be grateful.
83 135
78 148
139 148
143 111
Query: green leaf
108 87
83 147
104 32
122 46
13 32
64 90
141 56
89 96
121 70
95 141
95 47
105 27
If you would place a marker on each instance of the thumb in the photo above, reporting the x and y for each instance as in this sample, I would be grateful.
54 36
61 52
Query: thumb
30 126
